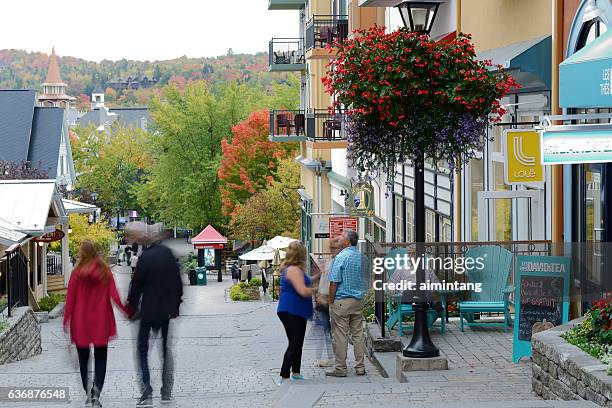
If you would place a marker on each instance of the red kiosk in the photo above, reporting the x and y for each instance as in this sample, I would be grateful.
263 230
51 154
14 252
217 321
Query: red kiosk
209 243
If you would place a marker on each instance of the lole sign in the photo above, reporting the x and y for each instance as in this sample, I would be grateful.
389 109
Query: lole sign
338 224
522 157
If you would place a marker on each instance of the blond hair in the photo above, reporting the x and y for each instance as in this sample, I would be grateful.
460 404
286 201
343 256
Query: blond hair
295 256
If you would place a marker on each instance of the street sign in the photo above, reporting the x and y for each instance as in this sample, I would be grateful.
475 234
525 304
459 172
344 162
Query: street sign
321 234
577 144
337 225
362 202
542 298
522 156
50 236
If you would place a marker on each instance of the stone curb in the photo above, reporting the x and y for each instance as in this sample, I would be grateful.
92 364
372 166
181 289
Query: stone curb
57 311
561 370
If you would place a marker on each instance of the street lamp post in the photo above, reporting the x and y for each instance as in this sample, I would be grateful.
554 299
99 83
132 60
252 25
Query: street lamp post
94 198
419 16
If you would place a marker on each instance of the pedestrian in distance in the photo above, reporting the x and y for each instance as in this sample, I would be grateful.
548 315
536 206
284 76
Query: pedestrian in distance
133 264
156 291
89 316
348 284
294 308
127 253
235 273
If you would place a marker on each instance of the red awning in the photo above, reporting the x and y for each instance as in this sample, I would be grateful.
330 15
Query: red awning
209 237
448 37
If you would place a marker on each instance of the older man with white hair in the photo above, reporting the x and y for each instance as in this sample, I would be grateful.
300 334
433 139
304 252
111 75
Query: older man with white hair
348 285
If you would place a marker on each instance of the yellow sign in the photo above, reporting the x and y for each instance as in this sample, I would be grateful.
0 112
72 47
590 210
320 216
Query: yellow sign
522 157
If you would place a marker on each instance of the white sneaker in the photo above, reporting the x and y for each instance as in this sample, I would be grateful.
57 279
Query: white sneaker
325 363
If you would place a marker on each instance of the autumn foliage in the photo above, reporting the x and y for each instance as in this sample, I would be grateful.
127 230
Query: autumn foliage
249 160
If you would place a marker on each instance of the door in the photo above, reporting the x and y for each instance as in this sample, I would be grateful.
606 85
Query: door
511 215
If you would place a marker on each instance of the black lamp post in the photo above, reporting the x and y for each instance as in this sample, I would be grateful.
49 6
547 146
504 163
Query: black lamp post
419 16
94 198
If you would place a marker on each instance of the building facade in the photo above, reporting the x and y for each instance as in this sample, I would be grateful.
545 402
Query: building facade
53 91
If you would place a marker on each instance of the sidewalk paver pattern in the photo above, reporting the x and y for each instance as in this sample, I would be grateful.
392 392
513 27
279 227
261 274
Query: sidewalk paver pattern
228 354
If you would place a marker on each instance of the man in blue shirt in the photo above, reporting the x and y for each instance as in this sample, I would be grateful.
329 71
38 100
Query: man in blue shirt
348 284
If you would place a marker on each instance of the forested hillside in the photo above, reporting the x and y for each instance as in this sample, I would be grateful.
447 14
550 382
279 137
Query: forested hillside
22 69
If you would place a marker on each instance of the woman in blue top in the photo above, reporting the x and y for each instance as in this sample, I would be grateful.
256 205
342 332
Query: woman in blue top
294 308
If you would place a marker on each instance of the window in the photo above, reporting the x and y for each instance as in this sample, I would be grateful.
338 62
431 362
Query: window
399 218
409 221
476 185
590 31
430 226
445 230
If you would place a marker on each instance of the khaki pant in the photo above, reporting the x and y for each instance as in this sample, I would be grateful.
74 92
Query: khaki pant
346 316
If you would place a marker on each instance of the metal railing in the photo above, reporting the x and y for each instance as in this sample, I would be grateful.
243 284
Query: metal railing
451 250
286 51
322 30
54 263
324 126
287 123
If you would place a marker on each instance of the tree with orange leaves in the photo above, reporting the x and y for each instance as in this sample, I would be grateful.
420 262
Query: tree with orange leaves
249 160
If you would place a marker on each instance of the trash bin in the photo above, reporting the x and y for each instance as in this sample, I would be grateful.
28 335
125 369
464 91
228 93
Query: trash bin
219 276
192 277
201 275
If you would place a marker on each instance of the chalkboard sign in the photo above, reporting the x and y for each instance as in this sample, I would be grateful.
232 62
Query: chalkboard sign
542 298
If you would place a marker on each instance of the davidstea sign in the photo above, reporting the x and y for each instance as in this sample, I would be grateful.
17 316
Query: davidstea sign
542 298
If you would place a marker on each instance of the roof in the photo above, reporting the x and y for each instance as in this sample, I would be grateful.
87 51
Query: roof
53 71
16 115
46 139
209 235
132 117
8 236
98 117
77 207
30 204
97 90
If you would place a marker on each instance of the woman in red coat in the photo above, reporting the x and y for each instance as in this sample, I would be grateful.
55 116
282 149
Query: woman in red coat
90 315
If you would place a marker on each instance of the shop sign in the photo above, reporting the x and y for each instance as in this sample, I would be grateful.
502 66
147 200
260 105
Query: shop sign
337 225
362 202
541 298
522 157
577 146
50 236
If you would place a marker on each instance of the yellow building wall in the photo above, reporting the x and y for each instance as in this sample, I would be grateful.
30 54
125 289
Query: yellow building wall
364 17
320 7
496 23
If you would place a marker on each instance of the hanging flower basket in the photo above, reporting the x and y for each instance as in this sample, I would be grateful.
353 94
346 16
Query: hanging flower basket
410 97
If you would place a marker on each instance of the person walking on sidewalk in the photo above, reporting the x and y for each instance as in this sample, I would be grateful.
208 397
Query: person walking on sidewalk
133 263
157 288
89 315
348 284
294 308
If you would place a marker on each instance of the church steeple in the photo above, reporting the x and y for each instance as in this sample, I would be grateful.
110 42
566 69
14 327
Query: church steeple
53 72
54 89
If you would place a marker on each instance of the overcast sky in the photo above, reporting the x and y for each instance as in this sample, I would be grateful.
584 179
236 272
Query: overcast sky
143 30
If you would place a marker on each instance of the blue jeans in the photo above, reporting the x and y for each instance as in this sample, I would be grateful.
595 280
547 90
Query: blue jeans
143 353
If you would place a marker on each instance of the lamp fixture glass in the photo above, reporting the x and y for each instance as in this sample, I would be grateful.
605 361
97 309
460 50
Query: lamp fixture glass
419 15
591 11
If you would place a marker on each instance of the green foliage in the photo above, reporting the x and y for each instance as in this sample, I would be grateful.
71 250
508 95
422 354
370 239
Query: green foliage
98 233
4 324
593 334
273 211
112 166
244 291
369 301
254 282
47 303
21 69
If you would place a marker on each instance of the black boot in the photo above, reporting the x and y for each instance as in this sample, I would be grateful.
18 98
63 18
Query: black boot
95 397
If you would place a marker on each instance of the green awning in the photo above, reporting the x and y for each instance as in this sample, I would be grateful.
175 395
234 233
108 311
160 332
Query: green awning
529 62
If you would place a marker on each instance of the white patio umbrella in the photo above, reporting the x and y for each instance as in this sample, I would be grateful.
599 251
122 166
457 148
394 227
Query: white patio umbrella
263 253
280 242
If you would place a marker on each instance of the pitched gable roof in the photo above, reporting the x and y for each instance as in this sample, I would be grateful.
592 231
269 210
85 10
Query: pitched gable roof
46 139
53 71
16 115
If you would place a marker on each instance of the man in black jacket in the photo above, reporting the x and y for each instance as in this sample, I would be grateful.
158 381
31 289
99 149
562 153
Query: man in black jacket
155 291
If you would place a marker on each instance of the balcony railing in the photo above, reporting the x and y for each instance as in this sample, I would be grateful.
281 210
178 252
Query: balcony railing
287 125
286 54
322 126
323 30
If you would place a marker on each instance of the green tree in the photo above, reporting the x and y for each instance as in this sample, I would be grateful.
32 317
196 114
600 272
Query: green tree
273 211
115 166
